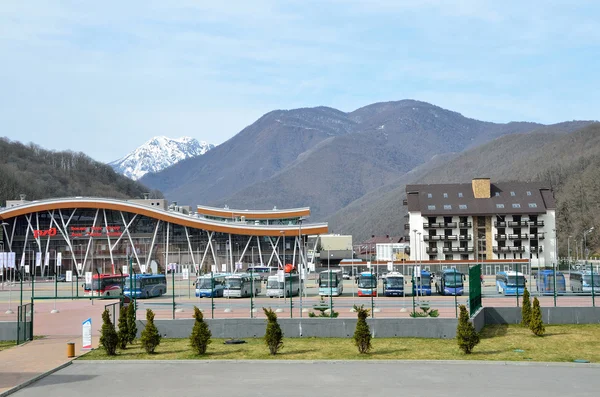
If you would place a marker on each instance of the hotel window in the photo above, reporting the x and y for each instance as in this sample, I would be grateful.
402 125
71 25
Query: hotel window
462 206
512 193
460 194
445 195
431 207
429 195
499 205
497 194
528 193
532 205
447 207
516 205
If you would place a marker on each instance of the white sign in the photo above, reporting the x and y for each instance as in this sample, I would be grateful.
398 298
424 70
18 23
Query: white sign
79 266
88 278
302 273
11 259
368 265
280 276
238 265
22 262
86 332
224 267
143 269
59 259
47 259
69 275
38 259
27 269
2 260
125 269
311 266
417 271
390 266
213 268
185 273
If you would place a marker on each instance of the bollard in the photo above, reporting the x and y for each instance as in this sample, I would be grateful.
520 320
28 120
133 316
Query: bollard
70 349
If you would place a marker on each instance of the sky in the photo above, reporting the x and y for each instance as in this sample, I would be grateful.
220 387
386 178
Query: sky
104 77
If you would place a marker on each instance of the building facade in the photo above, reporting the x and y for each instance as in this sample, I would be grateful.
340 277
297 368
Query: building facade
482 221
83 234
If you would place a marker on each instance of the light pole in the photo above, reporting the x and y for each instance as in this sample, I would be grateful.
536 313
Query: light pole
585 233
569 254
330 286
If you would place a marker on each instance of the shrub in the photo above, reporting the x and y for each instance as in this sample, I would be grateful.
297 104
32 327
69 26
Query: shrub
526 309
131 326
200 337
466 336
150 336
536 324
108 335
123 333
362 333
273 334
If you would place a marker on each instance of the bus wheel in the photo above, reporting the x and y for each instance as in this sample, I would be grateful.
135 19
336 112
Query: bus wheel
108 294
147 294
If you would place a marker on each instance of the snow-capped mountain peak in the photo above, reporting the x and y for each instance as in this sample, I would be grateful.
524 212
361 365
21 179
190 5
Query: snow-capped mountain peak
157 154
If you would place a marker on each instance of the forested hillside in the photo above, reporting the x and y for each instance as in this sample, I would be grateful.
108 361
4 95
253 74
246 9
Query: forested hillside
39 174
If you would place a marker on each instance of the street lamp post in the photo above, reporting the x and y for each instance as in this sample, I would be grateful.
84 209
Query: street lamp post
569 254
585 233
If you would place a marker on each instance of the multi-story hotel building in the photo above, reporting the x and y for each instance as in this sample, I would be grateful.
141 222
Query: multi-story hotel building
482 220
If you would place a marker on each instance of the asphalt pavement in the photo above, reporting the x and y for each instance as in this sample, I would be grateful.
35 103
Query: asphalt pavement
317 378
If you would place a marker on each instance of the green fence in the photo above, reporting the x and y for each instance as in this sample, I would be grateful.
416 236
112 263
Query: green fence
474 289
24 323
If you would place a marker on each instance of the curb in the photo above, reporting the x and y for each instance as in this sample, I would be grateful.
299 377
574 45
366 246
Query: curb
35 379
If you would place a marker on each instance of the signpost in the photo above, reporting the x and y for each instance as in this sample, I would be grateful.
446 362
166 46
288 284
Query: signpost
87 334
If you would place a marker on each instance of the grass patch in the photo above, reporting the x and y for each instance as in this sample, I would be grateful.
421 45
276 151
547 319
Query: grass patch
6 344
562 343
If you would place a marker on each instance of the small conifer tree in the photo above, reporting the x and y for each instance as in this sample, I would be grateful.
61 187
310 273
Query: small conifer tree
273 334
108 335
150 336
123 333
131 326
526 309
466 336
536 325
200 337
362 333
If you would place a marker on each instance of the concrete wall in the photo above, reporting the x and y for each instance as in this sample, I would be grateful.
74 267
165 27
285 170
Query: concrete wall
8 330
322 327
550 315
478 319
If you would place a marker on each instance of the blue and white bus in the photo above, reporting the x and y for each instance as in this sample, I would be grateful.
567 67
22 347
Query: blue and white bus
422 283
393 284
510 283
367 284
331 282
146 285
449 282
241 285
582 282
545 282
210 285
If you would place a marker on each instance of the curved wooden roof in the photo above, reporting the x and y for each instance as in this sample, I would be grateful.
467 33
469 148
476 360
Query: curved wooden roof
254 214
240 228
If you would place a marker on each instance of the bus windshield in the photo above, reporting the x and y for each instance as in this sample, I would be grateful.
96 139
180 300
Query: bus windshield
234 283
367 282
587 280
273 284
512 281
325 281
453 280
395 282
204 283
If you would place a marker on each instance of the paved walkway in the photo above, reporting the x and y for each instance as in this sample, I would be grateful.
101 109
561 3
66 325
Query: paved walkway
28 361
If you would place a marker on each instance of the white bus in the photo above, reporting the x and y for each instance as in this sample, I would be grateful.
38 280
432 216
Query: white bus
210 285
262 271
240 285
279 289
331 282
581 282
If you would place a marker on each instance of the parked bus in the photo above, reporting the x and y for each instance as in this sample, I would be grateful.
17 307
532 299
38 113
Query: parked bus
240 285
210 285
545 282
510 283
279 289
582 282
393 284
331 282
449 282
367 284
263 272
146 285
422 283
105 285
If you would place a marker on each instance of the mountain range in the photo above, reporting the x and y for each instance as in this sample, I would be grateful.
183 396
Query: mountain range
157 154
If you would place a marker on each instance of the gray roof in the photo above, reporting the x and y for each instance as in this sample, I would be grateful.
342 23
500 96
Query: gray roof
458 199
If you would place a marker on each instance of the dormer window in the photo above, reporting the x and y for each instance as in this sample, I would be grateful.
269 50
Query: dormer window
445 195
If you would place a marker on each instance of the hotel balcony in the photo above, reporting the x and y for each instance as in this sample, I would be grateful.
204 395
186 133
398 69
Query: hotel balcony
464 237
440 225
500 237
433 238
431 250
536 223
539 236
499 224
464 224
536 250
457 249
518 223
518 236
509 249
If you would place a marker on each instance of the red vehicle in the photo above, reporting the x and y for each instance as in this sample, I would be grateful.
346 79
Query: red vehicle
105 285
